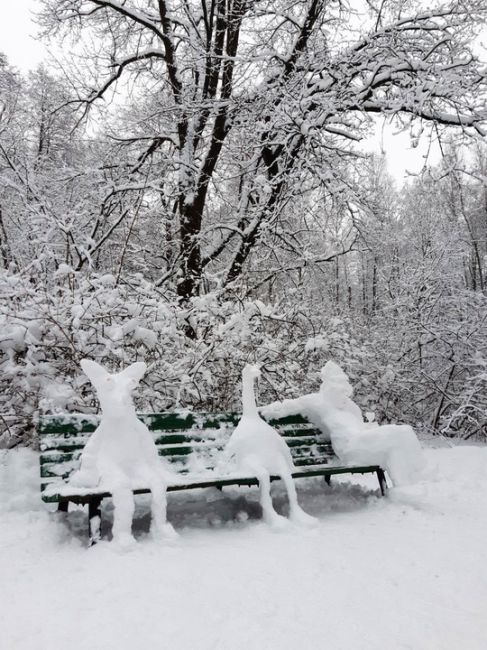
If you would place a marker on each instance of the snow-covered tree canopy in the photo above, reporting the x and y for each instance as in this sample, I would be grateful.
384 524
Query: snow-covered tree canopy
243 110
188 188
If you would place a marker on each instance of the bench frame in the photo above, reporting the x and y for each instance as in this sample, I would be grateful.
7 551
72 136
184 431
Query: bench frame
189 482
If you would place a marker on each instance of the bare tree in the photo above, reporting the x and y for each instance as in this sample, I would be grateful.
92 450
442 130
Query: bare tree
243 103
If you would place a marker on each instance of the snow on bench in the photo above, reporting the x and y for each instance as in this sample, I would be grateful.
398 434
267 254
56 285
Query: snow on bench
191 443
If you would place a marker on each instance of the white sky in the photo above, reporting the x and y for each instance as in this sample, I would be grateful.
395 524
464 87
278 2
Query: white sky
18 42
17 32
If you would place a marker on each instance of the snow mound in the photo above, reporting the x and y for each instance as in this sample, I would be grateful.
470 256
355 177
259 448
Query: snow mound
19 481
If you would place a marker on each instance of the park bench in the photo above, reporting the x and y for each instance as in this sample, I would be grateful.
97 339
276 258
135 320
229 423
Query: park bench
192 443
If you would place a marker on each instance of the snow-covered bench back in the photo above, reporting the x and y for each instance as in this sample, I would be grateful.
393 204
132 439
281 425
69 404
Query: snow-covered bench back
191 443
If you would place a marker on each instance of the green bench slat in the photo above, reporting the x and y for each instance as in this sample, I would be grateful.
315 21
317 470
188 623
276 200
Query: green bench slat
66 425
71 425
47 473
186 450
55 458
178 438
174 422
63 452
311 460
55 440
54 470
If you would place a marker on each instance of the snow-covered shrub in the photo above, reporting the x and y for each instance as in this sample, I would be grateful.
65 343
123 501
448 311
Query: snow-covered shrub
427 372
47 328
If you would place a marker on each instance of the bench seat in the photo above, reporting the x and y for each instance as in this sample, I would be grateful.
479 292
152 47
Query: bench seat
64 492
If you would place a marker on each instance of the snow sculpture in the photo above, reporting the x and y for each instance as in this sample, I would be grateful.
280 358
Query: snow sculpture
121 454
394 447
261 451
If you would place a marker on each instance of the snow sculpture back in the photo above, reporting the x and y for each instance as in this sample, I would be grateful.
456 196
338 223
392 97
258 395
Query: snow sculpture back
261 451
121 454
394 447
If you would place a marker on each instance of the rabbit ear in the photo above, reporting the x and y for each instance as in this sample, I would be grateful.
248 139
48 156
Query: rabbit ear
93 371
135 371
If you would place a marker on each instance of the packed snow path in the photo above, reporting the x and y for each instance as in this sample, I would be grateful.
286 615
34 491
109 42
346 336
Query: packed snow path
406 572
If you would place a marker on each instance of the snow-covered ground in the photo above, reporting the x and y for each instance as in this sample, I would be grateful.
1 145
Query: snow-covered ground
408 571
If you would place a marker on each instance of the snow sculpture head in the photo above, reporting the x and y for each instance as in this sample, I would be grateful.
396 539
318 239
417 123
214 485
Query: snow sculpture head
335 379
251 371
114 391
249 375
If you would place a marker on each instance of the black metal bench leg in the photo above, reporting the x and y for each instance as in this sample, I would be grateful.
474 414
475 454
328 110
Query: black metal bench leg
63 506
382 481
328 479
94 519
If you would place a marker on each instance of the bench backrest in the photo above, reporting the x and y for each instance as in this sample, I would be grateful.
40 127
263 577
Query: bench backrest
191 442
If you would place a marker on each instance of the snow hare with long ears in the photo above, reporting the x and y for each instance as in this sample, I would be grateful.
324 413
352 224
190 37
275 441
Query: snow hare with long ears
261 451
121 454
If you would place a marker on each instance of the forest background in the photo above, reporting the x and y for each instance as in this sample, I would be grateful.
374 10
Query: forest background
186 185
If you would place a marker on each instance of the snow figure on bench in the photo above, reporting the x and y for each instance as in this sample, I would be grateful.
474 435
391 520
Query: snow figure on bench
261 451
394 447
121 455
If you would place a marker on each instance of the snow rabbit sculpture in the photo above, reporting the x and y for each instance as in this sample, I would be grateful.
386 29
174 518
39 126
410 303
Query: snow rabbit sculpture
261 451
121 454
